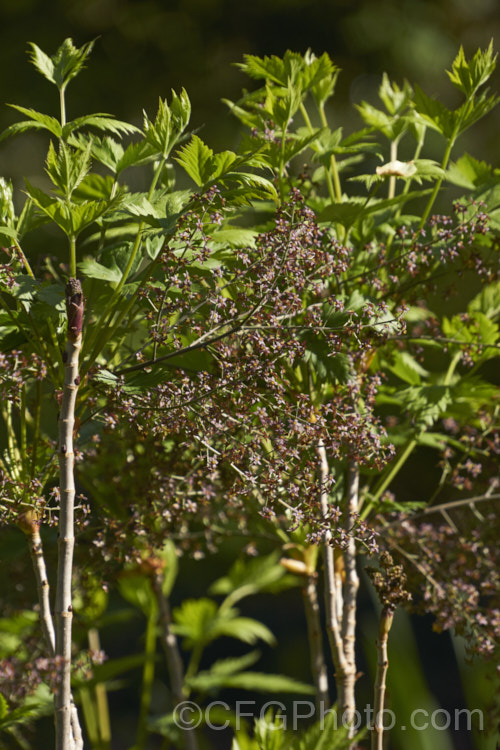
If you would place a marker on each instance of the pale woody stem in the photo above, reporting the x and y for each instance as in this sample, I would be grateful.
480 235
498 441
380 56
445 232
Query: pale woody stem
63 605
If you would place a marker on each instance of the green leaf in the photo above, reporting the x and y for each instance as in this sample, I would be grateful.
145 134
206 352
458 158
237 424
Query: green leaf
224 667
42 62
94 270
326 734
100 121
469 172
68 167
256 681
349 211
196 158
395 99
470 76
245 629
4 708
248 577
407 368
235 236
169 556
273 68
37 120
137 590
72 218
195 620
269 732
169 124
136 155
200 621
64 65
487 301
435 114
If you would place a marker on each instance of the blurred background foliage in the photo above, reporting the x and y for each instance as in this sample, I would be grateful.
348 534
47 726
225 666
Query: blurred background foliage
147 47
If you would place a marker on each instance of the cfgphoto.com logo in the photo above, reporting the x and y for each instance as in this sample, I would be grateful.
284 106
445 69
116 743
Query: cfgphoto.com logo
190 715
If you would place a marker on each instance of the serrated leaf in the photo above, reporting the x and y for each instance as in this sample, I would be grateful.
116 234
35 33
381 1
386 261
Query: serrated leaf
407 368
224 667
169 124
136 155
469 76
469 172
196 159
245 629
100 121
435 114
64 65
94 270
42 62
248 577
37 120
67 167
487 301
256 681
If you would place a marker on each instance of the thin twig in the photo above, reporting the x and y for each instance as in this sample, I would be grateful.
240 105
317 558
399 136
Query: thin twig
382 665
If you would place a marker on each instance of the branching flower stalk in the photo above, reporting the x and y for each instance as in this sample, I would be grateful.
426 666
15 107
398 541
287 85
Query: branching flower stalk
63 608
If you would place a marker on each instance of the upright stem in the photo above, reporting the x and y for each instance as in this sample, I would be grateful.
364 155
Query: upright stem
437 186
47 623
63 608
351 590
382 665
333 161
101 698
62 105
174 662
318 666
332 622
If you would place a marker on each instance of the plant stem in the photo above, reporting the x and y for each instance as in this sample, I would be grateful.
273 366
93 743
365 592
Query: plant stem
62 105
318 666
333 161
101 698
386 481
63 607
147 679
173 658
72 256
47 622
377 738
351 590
36 428
439 182
332 622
